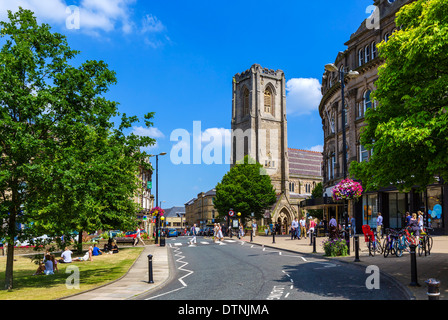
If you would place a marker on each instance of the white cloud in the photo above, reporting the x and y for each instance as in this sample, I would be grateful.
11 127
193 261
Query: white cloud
303 96
318 148
148 132
95 16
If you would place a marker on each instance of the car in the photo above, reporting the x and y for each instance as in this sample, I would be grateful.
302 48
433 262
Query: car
172 233
133 234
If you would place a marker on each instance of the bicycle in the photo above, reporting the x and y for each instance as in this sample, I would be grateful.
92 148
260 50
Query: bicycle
372 241
404 242
389 242
425 242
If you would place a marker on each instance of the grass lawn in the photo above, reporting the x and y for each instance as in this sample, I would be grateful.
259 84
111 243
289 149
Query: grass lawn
101 270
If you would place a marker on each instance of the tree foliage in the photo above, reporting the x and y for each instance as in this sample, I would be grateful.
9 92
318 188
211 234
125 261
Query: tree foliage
246 188
408 130
64 165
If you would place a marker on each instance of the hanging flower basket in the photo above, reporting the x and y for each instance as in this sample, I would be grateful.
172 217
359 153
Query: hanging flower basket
347 189
157 211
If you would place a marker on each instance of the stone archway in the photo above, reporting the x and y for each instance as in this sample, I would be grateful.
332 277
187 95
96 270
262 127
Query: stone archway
284 219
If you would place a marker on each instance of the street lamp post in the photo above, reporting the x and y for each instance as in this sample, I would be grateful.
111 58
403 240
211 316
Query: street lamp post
331 67
157 191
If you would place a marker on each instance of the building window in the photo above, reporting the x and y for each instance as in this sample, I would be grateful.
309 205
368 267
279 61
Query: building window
361 57
367 101
370 209
246 102
374 50
331 165
386 37
363 154
268 101
367 53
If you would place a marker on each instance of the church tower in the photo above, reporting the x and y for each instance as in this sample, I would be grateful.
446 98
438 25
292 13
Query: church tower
259 126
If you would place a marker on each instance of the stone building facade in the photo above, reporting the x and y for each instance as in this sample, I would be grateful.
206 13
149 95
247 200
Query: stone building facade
361 55
200 210
259 129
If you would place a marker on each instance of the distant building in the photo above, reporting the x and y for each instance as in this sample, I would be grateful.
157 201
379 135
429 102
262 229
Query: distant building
200 210
175 218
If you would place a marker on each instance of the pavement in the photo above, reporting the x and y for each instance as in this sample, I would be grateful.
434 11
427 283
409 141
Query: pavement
435 265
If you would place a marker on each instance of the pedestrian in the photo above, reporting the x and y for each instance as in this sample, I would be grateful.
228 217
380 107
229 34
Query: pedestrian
407 219
215 232
219 233
353 225
266 230
420 220
294 227
138 237
193 233
241 231
332 227
312 224
302 223
254 228
379 225
413 225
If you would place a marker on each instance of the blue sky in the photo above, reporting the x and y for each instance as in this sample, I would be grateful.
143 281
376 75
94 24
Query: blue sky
177 58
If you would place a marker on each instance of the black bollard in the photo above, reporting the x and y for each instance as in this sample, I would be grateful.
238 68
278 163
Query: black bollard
273 236
150 268
311 239
414 280
433 289
356 240
314 241
251 234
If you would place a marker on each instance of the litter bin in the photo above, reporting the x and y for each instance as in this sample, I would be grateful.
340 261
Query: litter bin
162 238
433 289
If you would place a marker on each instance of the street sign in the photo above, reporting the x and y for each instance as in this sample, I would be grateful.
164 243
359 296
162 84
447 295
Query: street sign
149 184
231 213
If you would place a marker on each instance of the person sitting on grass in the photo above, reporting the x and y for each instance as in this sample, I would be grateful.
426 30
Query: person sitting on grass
66 256
86 257
96 251
46 267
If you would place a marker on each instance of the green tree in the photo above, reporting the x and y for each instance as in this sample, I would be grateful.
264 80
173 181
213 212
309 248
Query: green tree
246 188
64 165
408 129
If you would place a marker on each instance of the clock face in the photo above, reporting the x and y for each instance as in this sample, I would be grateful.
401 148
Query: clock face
391 1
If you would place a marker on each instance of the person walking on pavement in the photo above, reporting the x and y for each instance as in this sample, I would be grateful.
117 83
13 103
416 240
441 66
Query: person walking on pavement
332 227
379 225
138 237
313 224
193 233
353 225
302 223
294 227
219 233
254 228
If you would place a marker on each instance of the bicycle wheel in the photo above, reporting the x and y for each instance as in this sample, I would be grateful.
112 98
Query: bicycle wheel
429 243
386 245
378 246
421 248
398 249
371 248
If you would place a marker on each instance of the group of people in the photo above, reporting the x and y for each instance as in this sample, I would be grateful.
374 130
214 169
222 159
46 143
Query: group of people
300 228
49 264
415 222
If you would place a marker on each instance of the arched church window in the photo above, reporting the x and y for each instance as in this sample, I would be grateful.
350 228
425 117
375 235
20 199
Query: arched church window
268 101
246 102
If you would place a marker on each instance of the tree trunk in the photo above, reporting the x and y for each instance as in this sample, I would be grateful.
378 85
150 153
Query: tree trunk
10 253
80 241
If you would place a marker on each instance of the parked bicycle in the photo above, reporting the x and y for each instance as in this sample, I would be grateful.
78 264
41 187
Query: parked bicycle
389 242
372 240
425 242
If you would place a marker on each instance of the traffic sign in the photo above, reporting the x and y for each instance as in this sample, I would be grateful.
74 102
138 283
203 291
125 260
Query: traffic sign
231 213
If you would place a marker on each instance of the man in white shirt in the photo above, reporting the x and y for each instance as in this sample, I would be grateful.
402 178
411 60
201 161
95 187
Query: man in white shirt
333 227
66 256
303 227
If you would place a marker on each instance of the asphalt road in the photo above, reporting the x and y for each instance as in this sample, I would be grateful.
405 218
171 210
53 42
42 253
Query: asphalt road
237 269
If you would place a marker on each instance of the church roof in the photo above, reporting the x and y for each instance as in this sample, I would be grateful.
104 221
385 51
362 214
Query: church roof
305 163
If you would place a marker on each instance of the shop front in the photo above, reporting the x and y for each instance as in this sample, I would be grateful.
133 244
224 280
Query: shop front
394 206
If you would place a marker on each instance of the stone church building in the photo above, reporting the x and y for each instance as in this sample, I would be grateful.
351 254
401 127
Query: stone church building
259 129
